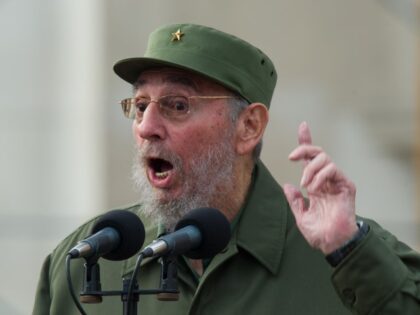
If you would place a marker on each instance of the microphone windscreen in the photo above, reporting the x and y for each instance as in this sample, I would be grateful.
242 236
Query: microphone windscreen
129 227
214 228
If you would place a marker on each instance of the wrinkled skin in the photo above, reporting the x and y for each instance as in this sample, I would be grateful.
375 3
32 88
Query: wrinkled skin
329 219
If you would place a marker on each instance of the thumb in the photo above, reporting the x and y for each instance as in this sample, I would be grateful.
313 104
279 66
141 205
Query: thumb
295 199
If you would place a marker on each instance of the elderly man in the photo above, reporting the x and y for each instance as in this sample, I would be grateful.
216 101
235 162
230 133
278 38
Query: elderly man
199 110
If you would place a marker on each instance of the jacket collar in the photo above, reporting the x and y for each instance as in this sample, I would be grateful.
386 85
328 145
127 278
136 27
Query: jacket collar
261 229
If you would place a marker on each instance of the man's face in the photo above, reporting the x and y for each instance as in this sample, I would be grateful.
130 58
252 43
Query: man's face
183 162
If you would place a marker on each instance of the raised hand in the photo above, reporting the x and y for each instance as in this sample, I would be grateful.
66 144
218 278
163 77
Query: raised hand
328 220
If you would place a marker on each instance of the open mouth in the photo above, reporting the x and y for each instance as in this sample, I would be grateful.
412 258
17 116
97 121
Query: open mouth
160 167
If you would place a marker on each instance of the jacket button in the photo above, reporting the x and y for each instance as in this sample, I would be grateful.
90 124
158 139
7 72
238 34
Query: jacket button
349 296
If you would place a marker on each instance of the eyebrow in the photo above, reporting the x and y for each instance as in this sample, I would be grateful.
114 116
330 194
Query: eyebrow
172 78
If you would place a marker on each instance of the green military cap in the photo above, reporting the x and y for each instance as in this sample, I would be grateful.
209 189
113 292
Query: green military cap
222 57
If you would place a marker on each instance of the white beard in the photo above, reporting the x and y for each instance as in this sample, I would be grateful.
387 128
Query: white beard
207 184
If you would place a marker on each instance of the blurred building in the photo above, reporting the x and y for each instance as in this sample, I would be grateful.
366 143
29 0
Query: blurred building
349 68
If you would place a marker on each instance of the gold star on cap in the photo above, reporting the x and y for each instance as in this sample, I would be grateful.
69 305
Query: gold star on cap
177 35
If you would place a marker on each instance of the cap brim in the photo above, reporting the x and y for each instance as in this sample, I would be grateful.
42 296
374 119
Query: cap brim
130 69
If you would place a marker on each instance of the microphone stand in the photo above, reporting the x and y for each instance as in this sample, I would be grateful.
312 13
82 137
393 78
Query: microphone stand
130 303
168 288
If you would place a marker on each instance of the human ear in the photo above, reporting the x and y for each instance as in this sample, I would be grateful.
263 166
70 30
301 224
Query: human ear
250 127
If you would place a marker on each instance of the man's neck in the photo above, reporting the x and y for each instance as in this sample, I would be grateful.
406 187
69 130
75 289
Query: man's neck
231 201
197 265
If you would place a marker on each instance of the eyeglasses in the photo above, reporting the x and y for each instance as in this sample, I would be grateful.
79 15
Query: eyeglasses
170 106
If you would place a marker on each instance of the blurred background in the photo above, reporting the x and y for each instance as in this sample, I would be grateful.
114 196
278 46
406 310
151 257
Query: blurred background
349 68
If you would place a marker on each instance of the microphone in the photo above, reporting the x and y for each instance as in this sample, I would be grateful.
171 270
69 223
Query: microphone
117 235
201 233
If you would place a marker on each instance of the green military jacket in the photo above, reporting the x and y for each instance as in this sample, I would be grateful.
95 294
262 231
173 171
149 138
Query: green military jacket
267 268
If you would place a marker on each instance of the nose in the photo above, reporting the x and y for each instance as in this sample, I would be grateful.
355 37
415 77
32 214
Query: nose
152 126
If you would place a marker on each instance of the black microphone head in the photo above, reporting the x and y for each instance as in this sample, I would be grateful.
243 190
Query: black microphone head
129 227
214 228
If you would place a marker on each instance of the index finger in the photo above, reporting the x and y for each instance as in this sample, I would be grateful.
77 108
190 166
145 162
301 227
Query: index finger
304 134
